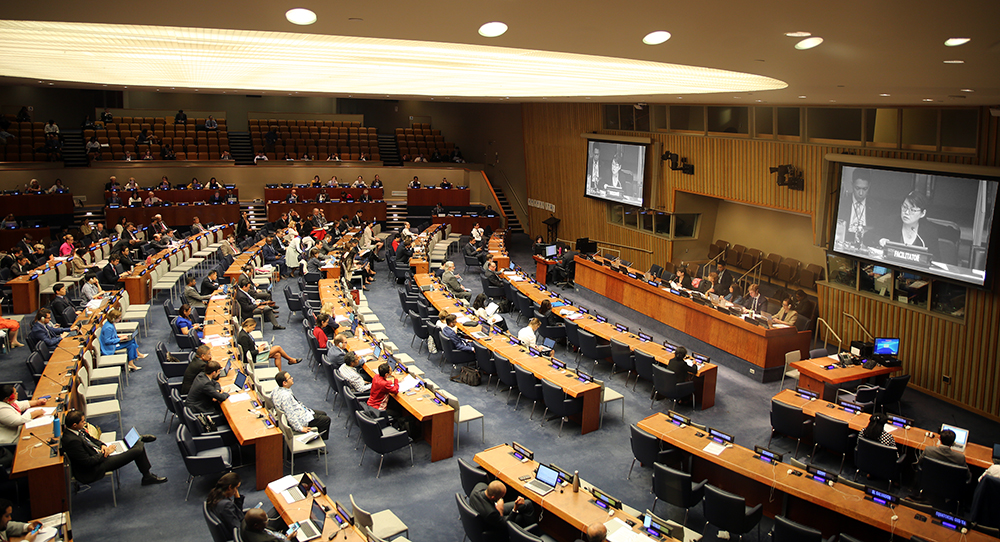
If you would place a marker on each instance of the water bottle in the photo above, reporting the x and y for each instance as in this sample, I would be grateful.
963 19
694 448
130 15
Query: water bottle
576 481
56 429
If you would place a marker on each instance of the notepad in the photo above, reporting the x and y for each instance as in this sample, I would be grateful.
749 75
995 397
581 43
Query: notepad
407 384
39 422
239 397
714 448
284 483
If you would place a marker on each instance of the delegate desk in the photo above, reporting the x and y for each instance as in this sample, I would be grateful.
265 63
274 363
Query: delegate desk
242 415
300 511
437 421
307 194
975 455
464 224
831 509
814 375
236 268
765 348
429 197
176 215
137 282
10 238
332 210
25 289
180 195
705 380
44 467
567 514
37 204
588 392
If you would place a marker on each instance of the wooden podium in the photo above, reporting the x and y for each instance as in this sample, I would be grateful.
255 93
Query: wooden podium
542 268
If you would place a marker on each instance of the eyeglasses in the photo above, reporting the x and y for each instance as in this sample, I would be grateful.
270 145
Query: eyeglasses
907 208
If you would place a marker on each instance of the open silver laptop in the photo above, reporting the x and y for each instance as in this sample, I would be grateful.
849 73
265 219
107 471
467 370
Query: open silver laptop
544 482
961 436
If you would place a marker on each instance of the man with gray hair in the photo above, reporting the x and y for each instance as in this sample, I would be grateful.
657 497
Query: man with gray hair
453 281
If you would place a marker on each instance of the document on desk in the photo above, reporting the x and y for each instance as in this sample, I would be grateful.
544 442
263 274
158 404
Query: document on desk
363 353
46 411
714 448
239 397
619 531
407 384
514 278
39 422
217 340
281 484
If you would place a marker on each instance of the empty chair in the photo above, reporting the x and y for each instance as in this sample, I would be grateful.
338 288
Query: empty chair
527 386
201 455
943 484
471 475
984 502
790 358
729 512
789 421
381 441
875 399
296 446
666 383
505 374
769 265
464 414
420 331
573 335
643 367
533 533
675 487
646 449
786 530
877 459
788 271
734 255
809 275
383 524
623 359
716 248
590 349
560 405
485 362
834 435
609 395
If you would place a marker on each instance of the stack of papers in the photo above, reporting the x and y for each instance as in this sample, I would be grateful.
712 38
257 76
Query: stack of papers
239 397
714 448
408 384
217 340
306 438
281 484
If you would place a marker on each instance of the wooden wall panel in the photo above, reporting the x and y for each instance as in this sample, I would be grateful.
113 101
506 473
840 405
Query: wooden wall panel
737 169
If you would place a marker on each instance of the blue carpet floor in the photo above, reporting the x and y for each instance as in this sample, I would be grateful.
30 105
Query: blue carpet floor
422 495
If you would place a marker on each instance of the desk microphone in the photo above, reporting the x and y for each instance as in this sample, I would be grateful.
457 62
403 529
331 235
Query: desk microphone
50 443
61 384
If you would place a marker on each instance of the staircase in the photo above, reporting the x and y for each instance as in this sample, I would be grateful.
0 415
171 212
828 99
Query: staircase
388 150
513 224
256 210
395 215
241 148
74 152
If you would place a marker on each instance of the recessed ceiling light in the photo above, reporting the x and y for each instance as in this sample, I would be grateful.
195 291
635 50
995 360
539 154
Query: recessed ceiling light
493 29
656 38
967 90
808 43
884 95
300 16
758 101
801 97
955 42
798 34
928 99
833 101
954 62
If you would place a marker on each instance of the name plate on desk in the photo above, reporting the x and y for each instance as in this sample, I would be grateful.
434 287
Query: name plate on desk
906 254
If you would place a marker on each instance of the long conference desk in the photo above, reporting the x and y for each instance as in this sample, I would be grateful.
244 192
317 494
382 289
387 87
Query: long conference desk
333 210
307 194
832 509
976 455
25 289
588 392
176 215
37 204
177 195
765 348
137 281
815 376
464 224
429 197
705 380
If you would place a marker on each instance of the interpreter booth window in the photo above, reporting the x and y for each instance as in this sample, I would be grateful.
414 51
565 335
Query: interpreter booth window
948 298
876 279
616 214
912 289
646 221
685 226
631 217
656 223
841 270
661 224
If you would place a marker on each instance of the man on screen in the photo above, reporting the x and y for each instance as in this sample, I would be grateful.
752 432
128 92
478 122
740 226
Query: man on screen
858 213
594 171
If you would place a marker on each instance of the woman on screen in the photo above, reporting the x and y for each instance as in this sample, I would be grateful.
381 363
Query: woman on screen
911 229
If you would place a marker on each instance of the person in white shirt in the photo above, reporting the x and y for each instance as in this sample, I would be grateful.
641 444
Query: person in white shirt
349 372
527 333
14 413
477 233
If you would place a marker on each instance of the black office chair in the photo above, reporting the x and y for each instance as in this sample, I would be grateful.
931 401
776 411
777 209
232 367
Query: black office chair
164 387
555 332
456 357
484 361
560 405
834 435
505 374
492 292
420 330
646 449
202 455
573 336
437 338
789 421
294 304
986 502
172 369
622 358
643 368
215 527
590 349
516 533
666 383
471 475
786 530
848 538
675 487
656 270
474 527
381 441
877 460
943 484
524 306
892 393
36 365
728 512
529 387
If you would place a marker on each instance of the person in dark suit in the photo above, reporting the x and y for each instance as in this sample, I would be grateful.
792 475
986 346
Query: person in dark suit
195 367
243 228
59 305
910 228
404 252
858 213
336 350
43 330
109 275
20 267
725 277
210 283
206 395
491 274
679 366
358 219
487 501
254 528
250 306
682 278
216 198
271 256
945 453
754 301
91 458
472 250
806 306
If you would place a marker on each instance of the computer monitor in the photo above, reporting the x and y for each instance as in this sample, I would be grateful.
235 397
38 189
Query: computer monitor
886 347
551 251
961 436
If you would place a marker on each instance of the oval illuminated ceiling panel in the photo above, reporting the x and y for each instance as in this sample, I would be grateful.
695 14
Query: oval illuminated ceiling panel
155 56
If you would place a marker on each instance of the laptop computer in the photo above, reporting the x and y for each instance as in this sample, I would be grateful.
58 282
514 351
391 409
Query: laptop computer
312 527
961 436
996 453
239 384
547 346
127 443
299 492
544 482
